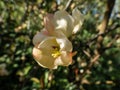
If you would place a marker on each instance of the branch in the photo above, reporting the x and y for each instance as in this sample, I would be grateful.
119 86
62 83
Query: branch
113 27
104 23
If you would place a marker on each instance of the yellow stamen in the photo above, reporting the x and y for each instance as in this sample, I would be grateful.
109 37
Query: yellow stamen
56 52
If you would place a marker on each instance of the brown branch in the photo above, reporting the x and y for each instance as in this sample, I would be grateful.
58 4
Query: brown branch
104 23
113 27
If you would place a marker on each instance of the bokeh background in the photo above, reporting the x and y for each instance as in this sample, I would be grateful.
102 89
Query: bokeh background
96 66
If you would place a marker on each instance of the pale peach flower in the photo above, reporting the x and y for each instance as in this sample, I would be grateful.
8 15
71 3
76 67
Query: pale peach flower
52 47
52 50
63 21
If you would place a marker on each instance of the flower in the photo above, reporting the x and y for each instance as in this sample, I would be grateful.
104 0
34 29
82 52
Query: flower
51 51
61 20
52 47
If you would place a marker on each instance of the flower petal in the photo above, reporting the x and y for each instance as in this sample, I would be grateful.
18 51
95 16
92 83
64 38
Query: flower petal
44 59
78 20
49 23
39 37
65 44
65 59
48 44
62 40
64 21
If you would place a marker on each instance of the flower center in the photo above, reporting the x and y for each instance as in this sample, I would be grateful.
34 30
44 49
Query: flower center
56 51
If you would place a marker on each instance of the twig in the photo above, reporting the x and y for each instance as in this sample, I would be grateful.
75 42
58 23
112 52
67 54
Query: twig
68 4
111 43
89 66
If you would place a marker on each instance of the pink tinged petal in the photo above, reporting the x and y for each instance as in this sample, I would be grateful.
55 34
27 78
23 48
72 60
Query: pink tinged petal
44 60
49 23
40 36
64 21
65 59
58 61
78 20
